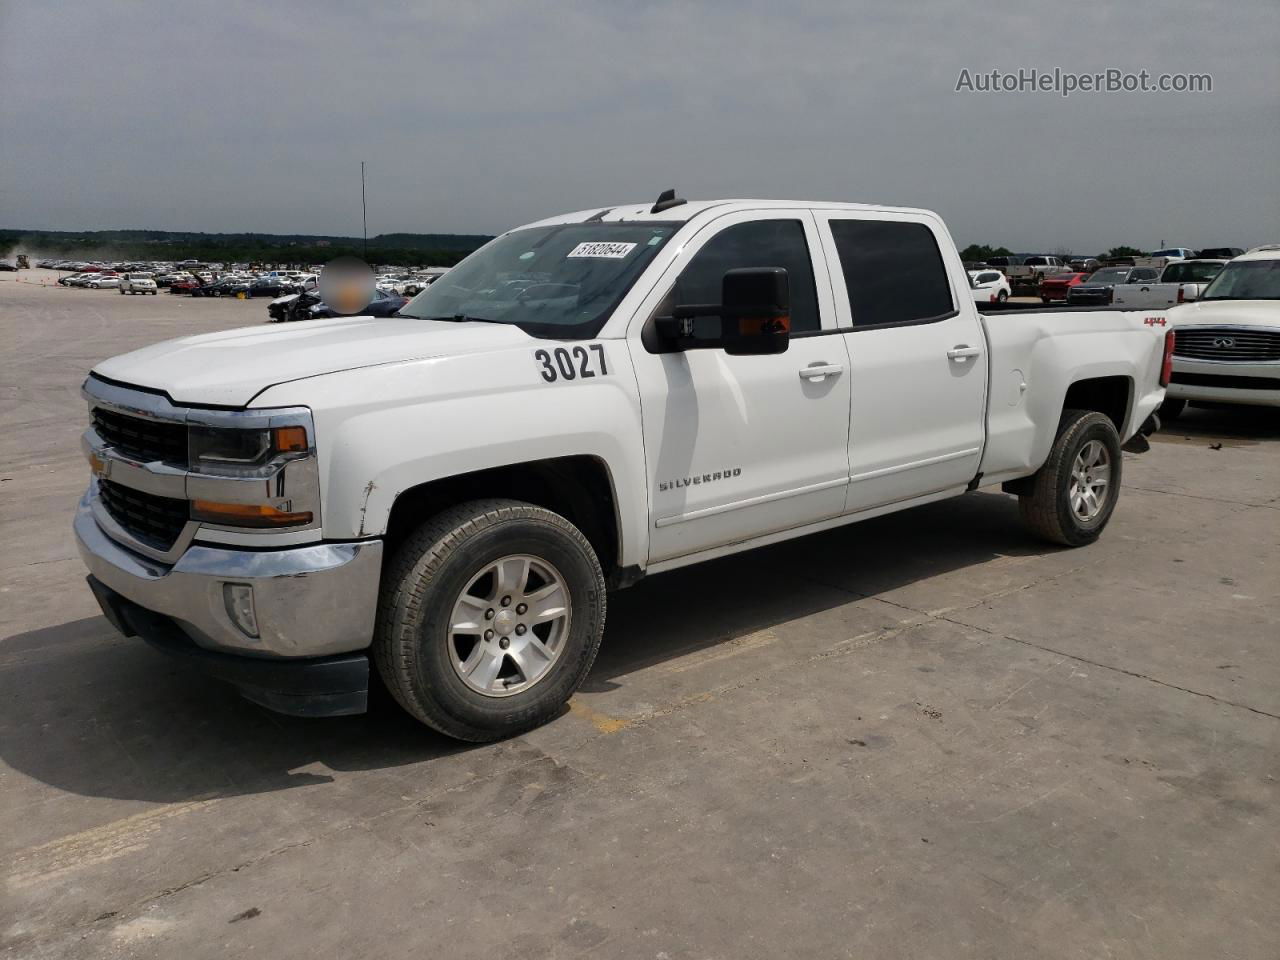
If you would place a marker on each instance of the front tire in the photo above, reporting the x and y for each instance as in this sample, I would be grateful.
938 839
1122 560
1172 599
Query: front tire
1074 494
490 617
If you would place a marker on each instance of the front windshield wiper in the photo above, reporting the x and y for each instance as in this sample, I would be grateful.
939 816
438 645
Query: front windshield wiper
459 318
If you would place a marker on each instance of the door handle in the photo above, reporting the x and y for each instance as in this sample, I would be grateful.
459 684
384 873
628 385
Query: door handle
820 371
963 352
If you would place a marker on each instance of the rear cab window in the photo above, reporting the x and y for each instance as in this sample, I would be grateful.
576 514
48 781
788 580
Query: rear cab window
893 272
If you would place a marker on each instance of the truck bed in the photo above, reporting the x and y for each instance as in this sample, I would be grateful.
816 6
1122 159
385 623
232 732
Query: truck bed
1033 364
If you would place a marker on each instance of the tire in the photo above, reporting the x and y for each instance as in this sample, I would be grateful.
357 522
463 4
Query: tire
1050 510
1045 300
1002 296
438 579
1171 409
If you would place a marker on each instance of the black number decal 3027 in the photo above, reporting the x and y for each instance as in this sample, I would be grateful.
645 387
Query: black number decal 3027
564 363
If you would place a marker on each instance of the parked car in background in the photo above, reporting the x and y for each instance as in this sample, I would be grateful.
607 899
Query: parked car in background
1026 277
1099 287
384 304
138 283
1161 258
104 281
226 287
184 286
1227 344
6 267
1056 287
988 286
1084 264
1180 281
1218 253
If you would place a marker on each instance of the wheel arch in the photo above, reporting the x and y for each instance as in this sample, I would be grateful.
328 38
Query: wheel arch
580 488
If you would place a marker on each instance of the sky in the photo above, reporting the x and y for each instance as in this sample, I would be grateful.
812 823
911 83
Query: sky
478 115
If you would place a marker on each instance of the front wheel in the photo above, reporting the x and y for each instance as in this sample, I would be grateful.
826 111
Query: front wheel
490 617
1074 494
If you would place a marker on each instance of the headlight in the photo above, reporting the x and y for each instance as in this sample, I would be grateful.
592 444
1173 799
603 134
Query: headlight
237 450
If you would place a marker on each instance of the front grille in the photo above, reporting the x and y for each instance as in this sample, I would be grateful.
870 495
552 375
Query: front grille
1230 383
156 521
141 439
1227 345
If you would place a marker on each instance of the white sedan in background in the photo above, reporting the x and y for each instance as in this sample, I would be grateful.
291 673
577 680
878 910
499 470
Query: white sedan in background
103 283
989 286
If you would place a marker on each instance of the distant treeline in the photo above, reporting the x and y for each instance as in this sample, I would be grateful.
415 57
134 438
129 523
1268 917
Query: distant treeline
428 249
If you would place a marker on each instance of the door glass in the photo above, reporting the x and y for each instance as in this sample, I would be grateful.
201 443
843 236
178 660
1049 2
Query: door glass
893 272
757 243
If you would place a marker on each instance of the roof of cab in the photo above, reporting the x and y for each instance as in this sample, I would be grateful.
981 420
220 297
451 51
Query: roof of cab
1268 251
640 212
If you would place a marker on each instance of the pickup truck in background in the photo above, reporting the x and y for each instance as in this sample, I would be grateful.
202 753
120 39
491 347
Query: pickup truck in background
446 495
1227 347
1162 258
1025 277
1179 281
1100 287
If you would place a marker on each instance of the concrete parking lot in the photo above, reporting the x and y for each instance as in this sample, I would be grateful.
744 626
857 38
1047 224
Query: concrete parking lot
922 736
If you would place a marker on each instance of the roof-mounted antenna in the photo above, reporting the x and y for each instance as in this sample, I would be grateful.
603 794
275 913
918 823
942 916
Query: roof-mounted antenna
666 200
597 217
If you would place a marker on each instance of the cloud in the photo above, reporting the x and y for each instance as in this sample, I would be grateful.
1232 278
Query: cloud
478 116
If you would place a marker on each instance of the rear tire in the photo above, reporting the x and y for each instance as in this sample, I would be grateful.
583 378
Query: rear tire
1172 408
1002 296
1074 494
459 659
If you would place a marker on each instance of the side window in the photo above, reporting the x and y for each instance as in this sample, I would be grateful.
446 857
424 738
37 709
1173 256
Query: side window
893 272
757 243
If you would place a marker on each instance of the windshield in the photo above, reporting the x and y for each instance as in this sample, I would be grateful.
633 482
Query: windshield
1246 280
560 281
1109 275
1190 272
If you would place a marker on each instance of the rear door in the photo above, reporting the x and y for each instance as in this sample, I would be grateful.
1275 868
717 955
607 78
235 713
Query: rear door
917 356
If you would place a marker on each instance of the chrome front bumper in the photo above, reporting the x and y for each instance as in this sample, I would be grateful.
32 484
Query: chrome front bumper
310 601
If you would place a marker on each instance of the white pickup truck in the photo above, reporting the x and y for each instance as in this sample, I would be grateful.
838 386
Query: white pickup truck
1180 281
448 493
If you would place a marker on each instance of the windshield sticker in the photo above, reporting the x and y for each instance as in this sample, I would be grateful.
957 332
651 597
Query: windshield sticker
601 251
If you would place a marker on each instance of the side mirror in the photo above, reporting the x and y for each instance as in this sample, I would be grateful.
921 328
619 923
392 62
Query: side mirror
757 311
754 312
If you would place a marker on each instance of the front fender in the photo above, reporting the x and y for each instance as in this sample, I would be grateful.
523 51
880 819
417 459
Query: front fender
382 430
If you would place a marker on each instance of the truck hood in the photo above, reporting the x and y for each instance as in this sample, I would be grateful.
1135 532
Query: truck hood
1232 313
230 368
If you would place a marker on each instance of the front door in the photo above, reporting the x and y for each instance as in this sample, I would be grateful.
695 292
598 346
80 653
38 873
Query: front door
738 447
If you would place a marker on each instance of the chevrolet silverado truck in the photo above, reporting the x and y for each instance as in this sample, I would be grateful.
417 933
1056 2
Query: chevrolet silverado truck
446 496
1228 341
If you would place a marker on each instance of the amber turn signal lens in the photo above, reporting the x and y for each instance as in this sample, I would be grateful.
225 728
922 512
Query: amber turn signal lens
290 439
246 514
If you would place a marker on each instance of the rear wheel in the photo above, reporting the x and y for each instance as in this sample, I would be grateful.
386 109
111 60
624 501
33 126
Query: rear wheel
1074 494
490 617
1172 408
1002 296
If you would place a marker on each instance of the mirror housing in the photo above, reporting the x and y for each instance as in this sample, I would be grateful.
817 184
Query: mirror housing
754 312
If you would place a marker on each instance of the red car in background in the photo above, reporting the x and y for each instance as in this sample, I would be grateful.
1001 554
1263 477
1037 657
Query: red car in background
1055 286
